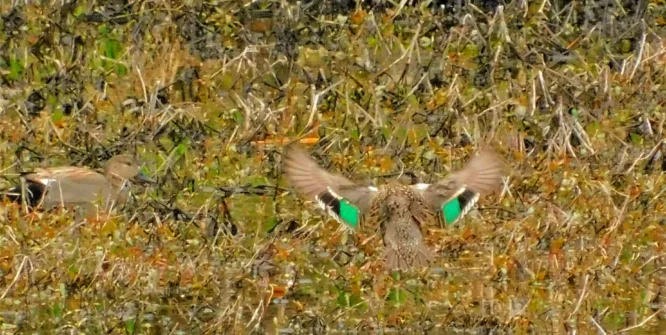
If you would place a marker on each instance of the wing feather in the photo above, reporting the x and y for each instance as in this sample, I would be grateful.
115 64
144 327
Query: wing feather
310 180
481 175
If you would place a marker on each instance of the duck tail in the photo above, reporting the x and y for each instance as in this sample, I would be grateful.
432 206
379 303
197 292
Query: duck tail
424 256
33 194
395 261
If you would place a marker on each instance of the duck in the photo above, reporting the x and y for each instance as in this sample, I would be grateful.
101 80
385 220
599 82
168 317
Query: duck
400 212
70 186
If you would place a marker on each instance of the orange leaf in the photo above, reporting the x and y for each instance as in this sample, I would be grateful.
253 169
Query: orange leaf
284 140
74 302
259 26
358 16
634 191
186 277
32 39
556 246
278 291
385 163
282 253
467 233
135 251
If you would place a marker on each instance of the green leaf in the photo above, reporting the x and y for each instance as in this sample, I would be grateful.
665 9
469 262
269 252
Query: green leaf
52 100
129 325
342 299
347 300
575 112
636 139
121 69
103 29
355 134
238 117
182 147
372 41
593 128
257 180
387 131
112 50
80 10
271 223
57 310
356 301
227 81
15 68
469 51
57 116
425 41
396 296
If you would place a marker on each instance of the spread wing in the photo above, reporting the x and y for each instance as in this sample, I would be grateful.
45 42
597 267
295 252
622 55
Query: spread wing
456 194
343 199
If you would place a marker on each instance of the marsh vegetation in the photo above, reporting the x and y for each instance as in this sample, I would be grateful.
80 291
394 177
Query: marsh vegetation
206 93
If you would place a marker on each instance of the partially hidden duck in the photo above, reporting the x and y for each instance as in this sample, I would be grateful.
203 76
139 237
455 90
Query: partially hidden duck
69 186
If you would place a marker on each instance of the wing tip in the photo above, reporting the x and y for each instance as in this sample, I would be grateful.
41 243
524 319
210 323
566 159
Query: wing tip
290 150
294 158
488 154
489 167
294 147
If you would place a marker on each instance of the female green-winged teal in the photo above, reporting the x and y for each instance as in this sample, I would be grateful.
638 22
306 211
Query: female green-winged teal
69 186
400 211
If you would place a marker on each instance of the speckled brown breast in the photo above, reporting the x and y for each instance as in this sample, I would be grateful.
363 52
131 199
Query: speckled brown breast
400 214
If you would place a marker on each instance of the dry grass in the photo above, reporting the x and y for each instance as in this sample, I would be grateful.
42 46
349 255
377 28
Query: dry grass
571 95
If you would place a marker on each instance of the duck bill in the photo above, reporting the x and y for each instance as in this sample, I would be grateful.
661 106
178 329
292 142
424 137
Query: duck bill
143 178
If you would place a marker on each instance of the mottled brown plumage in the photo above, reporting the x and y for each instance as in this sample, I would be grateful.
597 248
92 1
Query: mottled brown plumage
399 212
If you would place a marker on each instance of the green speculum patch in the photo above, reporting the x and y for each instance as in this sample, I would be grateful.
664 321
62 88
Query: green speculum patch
451 211
348 213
